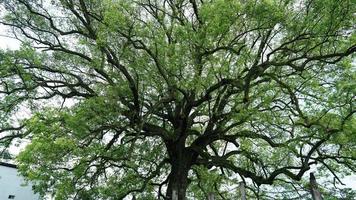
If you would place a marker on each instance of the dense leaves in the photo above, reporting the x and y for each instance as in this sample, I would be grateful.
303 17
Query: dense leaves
146 97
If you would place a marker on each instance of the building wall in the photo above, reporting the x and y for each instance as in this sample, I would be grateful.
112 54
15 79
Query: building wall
13 184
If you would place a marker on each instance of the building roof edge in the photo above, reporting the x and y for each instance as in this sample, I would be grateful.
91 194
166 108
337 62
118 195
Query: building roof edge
8 165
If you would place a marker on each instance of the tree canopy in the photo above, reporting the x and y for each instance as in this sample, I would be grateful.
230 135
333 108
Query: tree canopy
146 97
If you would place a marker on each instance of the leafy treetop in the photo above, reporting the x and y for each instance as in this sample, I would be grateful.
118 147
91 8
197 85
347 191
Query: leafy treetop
146 97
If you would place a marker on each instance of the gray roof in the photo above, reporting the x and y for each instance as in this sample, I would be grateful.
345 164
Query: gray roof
8 165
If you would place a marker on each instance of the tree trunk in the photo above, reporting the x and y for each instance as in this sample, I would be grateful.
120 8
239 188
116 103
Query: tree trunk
178 183
314 188
180 160
242 190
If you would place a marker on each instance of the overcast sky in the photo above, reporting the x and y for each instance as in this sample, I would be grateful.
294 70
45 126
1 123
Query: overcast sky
6 42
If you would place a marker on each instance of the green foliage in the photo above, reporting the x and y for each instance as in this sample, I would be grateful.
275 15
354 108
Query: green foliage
122 94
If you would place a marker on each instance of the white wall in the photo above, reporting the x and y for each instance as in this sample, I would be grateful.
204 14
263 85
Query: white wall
12 184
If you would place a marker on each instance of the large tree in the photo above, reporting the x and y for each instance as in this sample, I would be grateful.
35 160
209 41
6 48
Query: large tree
146 97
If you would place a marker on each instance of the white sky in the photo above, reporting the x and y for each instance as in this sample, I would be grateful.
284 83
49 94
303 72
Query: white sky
7 42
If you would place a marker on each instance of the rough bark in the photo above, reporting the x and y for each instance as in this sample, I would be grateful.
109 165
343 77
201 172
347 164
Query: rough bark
181 161
314 188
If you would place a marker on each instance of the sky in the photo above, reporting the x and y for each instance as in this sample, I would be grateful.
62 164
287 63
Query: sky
7 42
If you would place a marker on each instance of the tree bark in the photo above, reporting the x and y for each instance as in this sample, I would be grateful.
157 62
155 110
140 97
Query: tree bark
181 161
211 196
242 190
314 188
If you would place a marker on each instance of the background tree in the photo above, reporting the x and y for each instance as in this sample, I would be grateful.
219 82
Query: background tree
149 96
